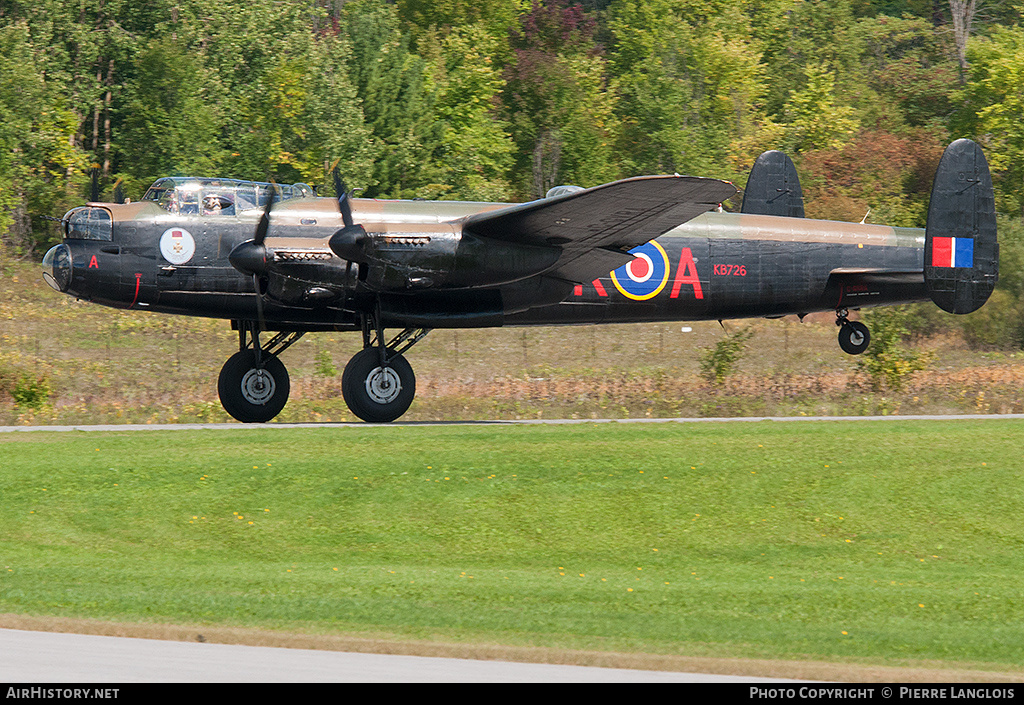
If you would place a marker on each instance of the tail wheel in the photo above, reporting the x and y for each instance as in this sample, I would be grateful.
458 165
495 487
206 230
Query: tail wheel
249 394
376 393
854 337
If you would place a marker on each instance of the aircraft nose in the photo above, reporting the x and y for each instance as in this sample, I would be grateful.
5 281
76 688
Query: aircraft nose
57 268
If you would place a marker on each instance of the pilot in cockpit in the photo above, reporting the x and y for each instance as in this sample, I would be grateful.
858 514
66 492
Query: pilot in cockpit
211 204
218 204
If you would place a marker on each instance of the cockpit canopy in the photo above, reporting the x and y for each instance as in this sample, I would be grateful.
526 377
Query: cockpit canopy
187 195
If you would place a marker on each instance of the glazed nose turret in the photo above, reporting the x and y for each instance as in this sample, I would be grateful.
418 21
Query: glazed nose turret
57 267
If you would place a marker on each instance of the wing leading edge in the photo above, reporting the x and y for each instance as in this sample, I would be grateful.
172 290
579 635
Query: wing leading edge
595 228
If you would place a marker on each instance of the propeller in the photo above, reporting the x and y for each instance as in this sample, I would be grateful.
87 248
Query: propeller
94 187
250 257
118 192
347 243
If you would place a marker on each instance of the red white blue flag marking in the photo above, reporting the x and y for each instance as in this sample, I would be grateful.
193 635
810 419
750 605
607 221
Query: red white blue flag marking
952 252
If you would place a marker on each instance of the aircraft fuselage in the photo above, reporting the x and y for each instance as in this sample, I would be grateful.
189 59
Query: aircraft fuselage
719 265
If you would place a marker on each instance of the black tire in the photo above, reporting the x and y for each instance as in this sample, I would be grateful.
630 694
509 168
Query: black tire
854 337
375 394
248 396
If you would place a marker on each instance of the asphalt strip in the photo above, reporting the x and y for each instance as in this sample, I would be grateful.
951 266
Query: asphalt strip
46 657
742 419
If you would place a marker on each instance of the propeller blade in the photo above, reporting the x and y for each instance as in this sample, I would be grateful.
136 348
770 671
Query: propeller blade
264 225
94 188
250 257
118 192
343 200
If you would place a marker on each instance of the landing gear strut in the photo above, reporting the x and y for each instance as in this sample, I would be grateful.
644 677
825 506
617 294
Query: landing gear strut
378 383
854 336
253 384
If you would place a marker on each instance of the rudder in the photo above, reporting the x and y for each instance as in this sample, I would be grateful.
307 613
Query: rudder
773 187
961 256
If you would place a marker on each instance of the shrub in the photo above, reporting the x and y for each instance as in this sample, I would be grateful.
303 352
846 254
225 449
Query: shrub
886 361
31 392
997 324
718 362
323 365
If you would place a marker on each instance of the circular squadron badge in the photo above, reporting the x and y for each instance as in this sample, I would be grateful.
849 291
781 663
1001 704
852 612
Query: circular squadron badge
177 245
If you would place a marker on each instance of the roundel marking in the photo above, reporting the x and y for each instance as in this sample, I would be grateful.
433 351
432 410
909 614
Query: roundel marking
177 245
645 276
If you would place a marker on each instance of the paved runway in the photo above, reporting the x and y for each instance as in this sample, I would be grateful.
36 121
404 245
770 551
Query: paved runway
46 657
747 419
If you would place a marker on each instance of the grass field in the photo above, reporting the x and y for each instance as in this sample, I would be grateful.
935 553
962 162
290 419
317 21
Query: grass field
867 542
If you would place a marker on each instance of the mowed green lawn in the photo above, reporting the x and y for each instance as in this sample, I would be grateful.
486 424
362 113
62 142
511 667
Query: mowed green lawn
879 541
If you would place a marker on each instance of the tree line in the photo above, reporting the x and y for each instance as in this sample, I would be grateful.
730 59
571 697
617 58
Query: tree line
501 100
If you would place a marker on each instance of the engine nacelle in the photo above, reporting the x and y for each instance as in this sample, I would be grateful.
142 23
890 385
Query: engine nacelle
438 260
311 285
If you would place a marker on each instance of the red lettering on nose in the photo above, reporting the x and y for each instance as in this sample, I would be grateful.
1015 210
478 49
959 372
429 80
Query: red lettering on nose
94 263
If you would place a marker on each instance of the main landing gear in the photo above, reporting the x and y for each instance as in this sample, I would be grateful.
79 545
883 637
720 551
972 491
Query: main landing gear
253 383
854 336
378 383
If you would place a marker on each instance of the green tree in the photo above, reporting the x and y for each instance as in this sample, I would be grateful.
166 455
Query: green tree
690 87
477 149
557 100
398 102
37 144
797 34
718 362
994 110
812 117
333 115
495 18
910 78
171 125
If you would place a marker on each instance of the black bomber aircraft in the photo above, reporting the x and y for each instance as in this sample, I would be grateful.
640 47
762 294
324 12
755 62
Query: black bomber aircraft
277 259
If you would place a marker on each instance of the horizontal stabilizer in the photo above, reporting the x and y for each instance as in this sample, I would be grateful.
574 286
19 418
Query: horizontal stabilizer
773 187
961 256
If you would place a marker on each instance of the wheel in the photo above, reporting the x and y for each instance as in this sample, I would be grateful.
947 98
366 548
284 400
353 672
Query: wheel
248 395
854 337
378 394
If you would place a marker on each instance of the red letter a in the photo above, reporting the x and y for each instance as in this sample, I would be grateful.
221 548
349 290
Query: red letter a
686 273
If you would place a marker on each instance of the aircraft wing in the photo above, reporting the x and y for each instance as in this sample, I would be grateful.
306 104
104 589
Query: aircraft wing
596 227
